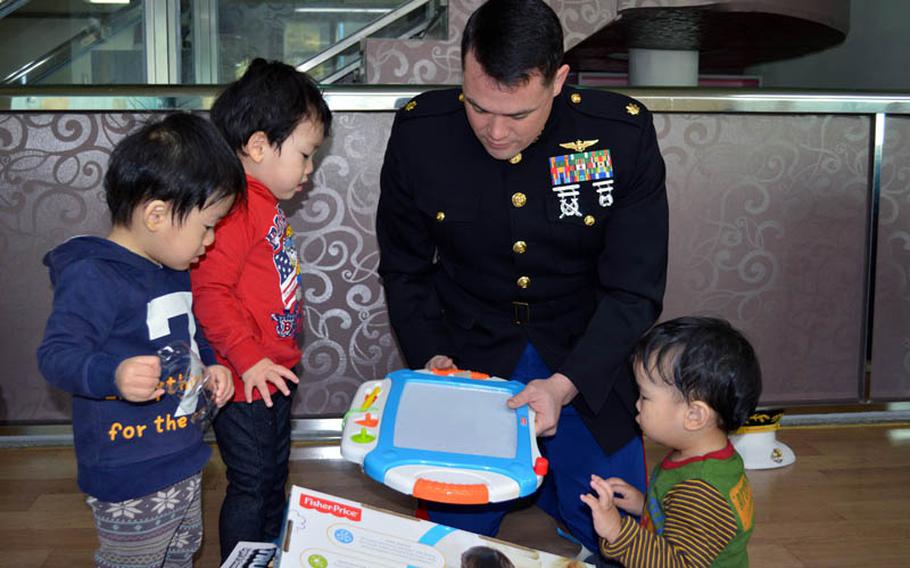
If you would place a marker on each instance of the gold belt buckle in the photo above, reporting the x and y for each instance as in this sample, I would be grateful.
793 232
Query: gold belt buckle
521 313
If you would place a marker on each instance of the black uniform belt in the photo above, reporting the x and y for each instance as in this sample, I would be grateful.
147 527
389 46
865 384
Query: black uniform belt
464 308
521 313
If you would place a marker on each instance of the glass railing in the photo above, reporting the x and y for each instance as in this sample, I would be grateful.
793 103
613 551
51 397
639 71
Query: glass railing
197 42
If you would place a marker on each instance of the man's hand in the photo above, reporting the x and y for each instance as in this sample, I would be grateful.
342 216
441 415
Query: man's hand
441 362
261 374
607 521
546 397
137 378
221 384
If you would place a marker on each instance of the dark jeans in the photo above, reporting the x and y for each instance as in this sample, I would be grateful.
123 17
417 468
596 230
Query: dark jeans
255 444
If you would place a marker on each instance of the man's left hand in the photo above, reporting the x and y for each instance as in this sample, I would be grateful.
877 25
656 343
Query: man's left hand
546 397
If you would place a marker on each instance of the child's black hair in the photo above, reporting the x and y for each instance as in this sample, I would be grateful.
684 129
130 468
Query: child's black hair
181 160
271 97
710 361
484 557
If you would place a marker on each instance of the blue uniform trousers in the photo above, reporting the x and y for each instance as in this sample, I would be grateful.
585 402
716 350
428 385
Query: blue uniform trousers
573 454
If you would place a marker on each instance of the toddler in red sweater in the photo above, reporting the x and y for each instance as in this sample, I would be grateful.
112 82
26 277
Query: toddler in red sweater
247 289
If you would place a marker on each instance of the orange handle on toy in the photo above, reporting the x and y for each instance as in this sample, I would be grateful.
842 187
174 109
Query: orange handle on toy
459 373
455 493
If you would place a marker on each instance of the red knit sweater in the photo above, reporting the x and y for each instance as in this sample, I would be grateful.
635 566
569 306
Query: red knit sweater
246 289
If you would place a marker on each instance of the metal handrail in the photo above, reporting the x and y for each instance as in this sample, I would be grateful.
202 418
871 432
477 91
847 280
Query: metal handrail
341 72
370 98
9 6
96 32
360 34
356 64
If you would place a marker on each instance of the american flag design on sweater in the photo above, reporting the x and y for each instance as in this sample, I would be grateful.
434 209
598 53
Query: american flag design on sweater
284 256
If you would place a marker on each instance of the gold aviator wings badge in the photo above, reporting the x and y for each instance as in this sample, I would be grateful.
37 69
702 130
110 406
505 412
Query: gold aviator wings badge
579 145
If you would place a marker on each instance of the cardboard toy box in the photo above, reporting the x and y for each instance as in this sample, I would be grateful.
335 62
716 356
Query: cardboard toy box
324 531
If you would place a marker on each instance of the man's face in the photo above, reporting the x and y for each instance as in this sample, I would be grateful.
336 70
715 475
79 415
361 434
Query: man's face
506 120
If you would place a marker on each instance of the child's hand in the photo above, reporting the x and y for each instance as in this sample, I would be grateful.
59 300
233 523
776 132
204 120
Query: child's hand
261 374
607 521
627 497
440 362
137 378
220 383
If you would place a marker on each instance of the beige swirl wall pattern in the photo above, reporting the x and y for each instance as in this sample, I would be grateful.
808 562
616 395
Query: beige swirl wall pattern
768 229
891 332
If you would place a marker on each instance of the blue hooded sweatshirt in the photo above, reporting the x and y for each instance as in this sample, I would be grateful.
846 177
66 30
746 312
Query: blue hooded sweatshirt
111 304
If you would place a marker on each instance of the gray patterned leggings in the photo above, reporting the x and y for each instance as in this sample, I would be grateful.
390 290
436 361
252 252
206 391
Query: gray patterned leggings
163 529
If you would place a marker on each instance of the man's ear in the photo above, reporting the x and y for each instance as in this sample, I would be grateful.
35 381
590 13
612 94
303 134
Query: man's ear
559 79
155 214
256 146
698 415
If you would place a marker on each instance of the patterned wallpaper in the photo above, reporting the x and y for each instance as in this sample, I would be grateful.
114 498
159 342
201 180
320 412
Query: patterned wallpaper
51 171
768 221
891 331
767 229
348 338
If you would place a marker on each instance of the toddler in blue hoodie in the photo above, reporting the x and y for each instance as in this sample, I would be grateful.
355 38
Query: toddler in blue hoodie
117 301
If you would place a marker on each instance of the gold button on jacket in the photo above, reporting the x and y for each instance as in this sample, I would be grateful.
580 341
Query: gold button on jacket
519 199
519 247
523 282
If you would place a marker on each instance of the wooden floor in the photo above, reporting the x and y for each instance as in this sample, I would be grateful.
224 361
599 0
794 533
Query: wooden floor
845 502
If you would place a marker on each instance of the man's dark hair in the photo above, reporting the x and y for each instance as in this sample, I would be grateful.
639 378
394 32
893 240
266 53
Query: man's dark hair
181 160
271 97
513 39
710 362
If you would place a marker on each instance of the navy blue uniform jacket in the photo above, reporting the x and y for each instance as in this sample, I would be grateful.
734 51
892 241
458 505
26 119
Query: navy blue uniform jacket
563 246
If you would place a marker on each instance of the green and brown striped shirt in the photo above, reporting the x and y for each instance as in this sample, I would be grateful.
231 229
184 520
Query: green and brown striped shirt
698 512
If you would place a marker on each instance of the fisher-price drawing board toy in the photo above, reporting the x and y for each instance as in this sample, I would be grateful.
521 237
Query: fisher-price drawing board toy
444 437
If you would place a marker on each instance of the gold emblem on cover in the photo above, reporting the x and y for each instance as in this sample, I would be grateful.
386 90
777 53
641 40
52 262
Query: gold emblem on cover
410 106
633 109
579 145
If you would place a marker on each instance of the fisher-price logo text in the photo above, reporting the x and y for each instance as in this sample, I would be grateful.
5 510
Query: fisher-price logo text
330 507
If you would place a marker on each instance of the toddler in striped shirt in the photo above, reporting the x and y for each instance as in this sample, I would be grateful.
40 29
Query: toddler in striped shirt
698 380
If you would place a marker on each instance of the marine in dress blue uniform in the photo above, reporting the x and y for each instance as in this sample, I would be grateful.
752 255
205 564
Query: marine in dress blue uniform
562 248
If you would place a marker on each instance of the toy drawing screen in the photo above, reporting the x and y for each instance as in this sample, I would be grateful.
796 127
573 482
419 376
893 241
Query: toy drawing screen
456 419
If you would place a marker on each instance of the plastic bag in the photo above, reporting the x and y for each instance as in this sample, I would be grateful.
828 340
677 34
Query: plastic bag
183 375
